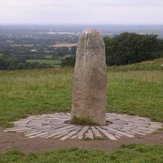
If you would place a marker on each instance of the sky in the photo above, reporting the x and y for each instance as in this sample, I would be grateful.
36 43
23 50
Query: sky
81 12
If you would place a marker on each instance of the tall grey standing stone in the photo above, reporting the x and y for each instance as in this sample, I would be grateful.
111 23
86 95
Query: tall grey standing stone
90 78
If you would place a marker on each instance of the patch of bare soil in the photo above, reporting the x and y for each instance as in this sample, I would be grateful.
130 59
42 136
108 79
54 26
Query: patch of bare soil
10 141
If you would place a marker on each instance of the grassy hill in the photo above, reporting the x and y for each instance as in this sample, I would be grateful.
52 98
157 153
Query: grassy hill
156 64
130 90
134 89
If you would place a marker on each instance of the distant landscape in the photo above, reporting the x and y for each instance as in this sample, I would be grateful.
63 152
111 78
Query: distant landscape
30 47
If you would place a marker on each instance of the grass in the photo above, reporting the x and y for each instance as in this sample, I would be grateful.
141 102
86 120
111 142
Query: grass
47 61
156 64
82 121
136 92
131 90
33 92
27 92
129 154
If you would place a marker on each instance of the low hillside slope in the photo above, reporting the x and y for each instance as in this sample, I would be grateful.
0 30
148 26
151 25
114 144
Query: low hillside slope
156 64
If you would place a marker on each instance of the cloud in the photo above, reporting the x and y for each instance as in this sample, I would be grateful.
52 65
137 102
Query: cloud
129 3
75 3
81 11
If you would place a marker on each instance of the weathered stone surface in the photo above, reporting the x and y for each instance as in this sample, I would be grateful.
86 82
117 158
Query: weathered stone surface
89 134
89 86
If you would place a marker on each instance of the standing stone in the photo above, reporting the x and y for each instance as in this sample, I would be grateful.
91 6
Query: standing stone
90 78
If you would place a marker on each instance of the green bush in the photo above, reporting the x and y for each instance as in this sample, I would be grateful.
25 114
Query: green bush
68 61
128 48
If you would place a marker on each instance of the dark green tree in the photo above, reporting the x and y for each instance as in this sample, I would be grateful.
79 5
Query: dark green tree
129 48
68 61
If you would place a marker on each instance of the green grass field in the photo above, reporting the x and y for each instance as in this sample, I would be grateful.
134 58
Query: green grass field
48 56
126 154
46 61
132 91
27 92
156 64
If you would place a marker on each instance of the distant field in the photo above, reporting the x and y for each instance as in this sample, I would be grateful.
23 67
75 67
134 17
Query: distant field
47 61
27 92
66 45
48 56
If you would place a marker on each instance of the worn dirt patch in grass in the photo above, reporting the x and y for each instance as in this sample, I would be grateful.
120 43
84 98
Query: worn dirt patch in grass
9 141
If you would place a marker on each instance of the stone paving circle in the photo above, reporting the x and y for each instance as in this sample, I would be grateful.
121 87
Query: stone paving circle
56 126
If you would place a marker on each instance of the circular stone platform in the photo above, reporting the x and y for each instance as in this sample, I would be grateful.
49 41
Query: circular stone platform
55 126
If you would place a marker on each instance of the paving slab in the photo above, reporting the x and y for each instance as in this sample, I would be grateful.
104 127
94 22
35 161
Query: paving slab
56 126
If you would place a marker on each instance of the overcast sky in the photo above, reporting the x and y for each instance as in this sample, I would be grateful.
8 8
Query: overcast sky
81 11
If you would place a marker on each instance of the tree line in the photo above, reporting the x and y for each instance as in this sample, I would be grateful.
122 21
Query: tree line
128 48
9 62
